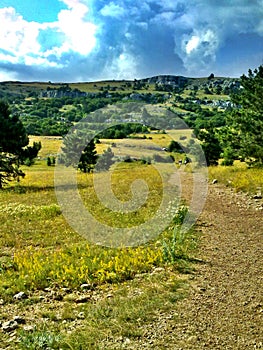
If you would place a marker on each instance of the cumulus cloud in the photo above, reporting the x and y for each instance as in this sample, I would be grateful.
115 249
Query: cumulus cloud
45 44
18 38
112 10
134 38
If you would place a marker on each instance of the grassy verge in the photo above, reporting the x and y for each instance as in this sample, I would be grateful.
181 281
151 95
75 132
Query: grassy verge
119 316
239 176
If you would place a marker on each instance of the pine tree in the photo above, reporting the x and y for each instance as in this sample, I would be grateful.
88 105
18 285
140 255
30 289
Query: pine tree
79 150
244 132
13 145
210 145
105 160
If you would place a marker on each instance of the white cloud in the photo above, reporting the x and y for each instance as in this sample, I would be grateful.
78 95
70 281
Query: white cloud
192 44
131 38
19 38
122 67
112 10
199 49
80 35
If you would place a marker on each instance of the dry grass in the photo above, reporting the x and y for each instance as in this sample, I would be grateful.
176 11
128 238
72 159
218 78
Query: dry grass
239 176
39 249
50 145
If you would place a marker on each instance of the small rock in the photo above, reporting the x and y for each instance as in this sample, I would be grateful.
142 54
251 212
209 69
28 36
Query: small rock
86 286
127 341
19 320
28 328
215 181
20 296
257 196
81 315
83 299
157 270
2 303
9 326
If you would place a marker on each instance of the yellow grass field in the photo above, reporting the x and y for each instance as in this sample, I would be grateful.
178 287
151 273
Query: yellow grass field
42 255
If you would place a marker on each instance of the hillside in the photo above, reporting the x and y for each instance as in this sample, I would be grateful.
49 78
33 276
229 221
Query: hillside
47 108
29 89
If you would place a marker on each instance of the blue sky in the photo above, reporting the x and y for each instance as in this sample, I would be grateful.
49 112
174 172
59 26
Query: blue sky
88 40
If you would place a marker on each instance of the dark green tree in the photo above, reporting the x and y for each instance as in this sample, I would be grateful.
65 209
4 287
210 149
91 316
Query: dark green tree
105 160
13 145
30 153
13 137
210 144
174 147
9 168
49 163
79 150
244 132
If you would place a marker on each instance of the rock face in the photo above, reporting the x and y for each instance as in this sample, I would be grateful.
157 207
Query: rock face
58 93
172 80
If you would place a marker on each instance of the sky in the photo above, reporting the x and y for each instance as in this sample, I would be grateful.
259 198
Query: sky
91 40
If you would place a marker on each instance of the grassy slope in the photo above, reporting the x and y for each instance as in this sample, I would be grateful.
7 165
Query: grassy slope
39 249
36 240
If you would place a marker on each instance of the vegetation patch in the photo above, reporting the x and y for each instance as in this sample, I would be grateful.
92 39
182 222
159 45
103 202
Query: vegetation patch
239 176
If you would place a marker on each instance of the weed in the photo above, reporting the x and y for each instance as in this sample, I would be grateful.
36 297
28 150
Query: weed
39 340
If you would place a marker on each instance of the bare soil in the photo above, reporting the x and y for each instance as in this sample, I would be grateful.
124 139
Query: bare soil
224 308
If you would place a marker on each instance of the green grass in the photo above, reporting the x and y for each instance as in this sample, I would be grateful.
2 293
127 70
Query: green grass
37 242
39 249
121 312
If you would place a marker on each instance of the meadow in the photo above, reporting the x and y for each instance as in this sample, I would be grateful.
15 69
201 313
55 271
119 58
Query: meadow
42 254
80 294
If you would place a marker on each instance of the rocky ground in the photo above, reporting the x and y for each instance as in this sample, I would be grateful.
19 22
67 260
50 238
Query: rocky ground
224 308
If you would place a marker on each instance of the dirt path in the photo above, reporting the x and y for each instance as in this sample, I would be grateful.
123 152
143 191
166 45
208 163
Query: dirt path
224 309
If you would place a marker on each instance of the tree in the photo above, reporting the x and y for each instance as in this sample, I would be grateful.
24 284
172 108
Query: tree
211 76
49 163
30 153
105 160
210 144
174 147
9 168
13 135
244 132
79 150
13 145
